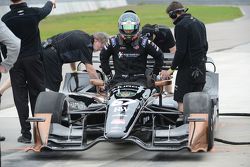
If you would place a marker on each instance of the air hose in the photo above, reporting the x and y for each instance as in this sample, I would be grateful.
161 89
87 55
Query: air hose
235 114
231 142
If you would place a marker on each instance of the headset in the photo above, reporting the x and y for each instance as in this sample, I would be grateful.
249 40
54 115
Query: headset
173 14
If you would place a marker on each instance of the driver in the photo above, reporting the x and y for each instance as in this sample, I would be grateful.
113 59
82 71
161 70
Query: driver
129 52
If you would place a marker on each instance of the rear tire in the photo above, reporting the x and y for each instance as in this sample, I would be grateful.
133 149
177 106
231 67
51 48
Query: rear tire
210 135
51 102
200 102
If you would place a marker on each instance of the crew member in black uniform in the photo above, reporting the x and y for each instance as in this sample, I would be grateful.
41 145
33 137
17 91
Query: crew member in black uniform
190 55
27 75
129 52
11 45
161 36
67 47
70 47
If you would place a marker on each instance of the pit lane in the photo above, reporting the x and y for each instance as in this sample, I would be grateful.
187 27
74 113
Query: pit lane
233 67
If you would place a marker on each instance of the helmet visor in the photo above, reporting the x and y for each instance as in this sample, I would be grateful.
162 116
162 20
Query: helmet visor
128 26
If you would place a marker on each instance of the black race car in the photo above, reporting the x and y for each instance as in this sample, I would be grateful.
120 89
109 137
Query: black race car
81 116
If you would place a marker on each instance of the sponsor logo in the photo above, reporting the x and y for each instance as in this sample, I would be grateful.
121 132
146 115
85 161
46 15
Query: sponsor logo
122 102
20 12
127 55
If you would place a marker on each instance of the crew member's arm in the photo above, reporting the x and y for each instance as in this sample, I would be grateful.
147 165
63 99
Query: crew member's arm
73 67
181 45
12 44
157 54
206 43
46 9
91 71
6 85
170 42
173 49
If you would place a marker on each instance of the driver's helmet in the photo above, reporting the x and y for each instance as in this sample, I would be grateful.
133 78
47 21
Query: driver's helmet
129 25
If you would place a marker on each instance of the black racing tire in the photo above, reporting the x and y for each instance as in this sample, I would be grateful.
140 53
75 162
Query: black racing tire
197 102
0 155
51 102
210 135
200 102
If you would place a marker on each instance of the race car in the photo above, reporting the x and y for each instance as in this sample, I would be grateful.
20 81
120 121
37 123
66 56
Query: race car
81 115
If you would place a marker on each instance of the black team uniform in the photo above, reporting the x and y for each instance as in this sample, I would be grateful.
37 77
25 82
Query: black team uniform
27 75
160 35
190 56
68 47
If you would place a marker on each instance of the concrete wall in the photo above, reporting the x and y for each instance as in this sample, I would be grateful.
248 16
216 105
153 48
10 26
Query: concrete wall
76 6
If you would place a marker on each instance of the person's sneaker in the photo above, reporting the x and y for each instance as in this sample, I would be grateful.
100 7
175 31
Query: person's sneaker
23 139
2 138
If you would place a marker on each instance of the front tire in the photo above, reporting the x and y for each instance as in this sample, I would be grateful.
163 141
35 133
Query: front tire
200 102
51 102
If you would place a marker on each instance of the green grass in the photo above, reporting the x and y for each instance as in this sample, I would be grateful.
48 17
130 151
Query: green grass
106 19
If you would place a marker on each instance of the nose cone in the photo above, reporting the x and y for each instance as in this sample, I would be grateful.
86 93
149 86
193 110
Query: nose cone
115 134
